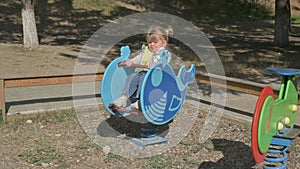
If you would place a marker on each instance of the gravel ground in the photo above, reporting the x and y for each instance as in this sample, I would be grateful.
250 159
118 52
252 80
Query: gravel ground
59 140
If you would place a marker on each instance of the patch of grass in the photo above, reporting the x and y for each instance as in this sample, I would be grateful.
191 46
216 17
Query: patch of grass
106 6
68 116
110 158
64 165
185 143
59 117
197 149
158 162
259 11
295 19
39 146
228 8
40 154
209 146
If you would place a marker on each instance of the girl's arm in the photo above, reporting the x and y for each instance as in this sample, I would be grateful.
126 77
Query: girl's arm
126 63
131 64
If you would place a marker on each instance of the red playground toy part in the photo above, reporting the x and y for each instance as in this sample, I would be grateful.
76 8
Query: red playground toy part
266 92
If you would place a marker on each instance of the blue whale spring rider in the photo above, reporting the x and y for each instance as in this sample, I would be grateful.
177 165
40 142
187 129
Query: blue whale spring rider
162 93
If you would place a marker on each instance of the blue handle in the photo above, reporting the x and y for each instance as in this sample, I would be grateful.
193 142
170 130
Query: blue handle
285 71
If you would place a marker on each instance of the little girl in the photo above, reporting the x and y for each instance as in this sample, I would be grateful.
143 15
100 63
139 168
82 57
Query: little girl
157 39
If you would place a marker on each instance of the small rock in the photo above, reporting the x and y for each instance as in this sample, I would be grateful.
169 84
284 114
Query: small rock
121 136
45 164
106 150
29 121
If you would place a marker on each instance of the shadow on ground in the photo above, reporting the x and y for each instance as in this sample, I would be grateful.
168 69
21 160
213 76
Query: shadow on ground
129 127
239 159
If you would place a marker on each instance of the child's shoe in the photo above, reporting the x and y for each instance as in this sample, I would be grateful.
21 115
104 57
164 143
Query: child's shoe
118 103
135 105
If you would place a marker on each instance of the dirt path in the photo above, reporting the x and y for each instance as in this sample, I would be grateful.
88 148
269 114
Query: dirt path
46 60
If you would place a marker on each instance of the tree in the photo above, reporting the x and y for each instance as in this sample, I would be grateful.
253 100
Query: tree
41 14
282 22
30 36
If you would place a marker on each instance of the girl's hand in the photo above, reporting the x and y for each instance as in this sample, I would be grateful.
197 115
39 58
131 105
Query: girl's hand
121 63
125 63
129 63
149 66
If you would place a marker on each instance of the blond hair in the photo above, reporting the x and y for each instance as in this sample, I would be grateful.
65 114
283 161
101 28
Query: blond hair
155 33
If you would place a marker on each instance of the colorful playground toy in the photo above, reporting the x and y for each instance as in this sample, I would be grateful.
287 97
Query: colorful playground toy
273 122
162 93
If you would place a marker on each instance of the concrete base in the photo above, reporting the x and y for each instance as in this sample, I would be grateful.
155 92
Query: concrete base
143 142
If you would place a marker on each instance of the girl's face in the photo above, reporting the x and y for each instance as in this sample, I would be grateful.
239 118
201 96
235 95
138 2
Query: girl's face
155 43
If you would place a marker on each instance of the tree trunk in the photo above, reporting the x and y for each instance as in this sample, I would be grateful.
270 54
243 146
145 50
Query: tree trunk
41 13
282 22
29 25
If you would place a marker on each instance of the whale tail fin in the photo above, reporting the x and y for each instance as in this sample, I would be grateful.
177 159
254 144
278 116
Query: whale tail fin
186 76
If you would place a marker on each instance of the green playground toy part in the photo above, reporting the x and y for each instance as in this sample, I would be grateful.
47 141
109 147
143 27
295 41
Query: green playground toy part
274 111
266 128
292 95
286 100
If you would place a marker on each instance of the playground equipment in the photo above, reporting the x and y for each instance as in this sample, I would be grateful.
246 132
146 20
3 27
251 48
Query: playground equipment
162 93
273 122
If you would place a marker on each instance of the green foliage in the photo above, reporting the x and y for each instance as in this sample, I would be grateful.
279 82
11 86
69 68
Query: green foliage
111 158
295 19
40 154
225 8
158 162
249 9
106 6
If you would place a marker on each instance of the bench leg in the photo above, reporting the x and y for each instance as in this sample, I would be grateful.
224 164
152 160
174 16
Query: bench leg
2 100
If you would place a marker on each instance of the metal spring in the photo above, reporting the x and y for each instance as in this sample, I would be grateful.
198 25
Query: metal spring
277 154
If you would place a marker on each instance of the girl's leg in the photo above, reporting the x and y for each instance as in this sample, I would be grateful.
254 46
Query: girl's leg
141 77
140 81
129 89
131 84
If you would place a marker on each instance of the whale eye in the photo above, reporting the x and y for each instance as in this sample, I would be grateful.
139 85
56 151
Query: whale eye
156 76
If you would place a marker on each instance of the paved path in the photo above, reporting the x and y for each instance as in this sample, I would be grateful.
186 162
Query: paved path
24 100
